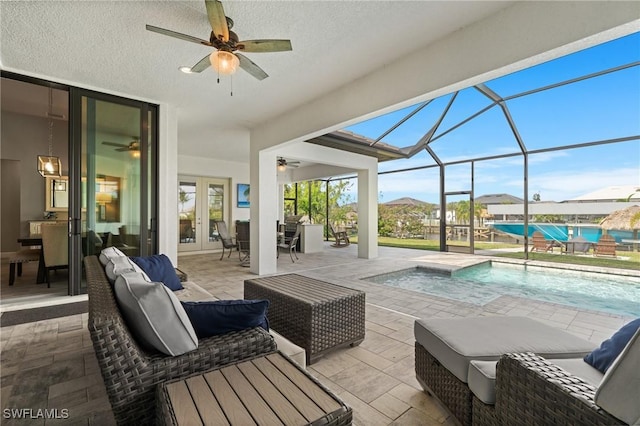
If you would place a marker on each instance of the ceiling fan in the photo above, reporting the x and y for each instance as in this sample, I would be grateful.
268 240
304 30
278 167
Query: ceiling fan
133 146
283 164
226 58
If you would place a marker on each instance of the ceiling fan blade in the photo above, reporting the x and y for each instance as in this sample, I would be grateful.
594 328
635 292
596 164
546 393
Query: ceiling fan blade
181 36
126 148
217 19
265 45
202 65
121 145
249 66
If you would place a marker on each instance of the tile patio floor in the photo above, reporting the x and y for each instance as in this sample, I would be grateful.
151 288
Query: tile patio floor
51 364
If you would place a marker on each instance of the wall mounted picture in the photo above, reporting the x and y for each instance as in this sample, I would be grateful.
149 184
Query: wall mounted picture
243 195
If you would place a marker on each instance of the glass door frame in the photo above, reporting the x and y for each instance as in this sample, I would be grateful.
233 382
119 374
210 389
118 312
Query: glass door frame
461 248
202 226
148 171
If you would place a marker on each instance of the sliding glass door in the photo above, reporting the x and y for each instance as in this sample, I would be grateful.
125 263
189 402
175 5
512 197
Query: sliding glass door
113 175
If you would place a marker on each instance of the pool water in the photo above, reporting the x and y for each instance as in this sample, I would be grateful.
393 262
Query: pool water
483 283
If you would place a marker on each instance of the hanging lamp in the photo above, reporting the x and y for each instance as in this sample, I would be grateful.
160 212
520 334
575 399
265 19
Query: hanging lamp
48 165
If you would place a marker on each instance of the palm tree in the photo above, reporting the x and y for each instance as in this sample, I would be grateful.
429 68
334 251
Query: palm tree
183 198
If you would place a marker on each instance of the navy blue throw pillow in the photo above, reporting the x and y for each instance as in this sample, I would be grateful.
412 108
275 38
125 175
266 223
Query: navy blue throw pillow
602 357
210 318
159 268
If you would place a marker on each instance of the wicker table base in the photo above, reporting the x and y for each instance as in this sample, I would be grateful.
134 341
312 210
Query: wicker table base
270 389
313 314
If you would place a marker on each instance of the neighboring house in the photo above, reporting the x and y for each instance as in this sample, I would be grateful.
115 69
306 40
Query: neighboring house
587 208
489 199
609 194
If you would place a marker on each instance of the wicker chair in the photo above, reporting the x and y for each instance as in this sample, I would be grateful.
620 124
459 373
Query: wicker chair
531 390
130 373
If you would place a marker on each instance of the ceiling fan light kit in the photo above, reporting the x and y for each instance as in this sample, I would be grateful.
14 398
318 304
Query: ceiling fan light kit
225 63
283 164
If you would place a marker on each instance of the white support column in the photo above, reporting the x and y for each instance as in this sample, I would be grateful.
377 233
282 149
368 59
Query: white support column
281 202
264 212
367 213
168 182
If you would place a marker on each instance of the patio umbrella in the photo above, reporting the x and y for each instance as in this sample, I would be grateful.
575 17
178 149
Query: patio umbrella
623 220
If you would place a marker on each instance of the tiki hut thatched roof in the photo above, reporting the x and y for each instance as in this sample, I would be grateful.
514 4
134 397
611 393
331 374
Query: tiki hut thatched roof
623 220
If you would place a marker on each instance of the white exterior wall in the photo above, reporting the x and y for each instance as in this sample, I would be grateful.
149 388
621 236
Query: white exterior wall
266 194
167 181
211 167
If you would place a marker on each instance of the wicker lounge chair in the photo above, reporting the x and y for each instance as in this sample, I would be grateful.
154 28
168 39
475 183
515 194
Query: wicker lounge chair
445 348
554 386
532 390
131 374
606 246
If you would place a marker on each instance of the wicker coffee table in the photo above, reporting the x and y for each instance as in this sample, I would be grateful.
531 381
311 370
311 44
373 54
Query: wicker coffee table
270 389
313 314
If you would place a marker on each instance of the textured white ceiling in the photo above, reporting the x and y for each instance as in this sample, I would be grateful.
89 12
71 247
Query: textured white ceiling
104 45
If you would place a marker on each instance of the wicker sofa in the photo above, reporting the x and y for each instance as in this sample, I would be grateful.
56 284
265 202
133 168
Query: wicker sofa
485 371
535 391
130 373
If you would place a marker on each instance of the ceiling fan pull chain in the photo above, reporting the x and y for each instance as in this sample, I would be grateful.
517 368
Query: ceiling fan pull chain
231 78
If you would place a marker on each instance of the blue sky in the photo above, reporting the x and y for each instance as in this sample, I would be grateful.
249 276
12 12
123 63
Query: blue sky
599 108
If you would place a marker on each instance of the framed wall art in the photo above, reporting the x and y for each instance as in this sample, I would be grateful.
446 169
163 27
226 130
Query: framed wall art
243 195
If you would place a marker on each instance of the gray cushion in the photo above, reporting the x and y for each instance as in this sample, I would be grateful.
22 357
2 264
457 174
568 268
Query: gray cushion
454 342
482 380
619 392
579 368
109 253
120 265
482 376
155 315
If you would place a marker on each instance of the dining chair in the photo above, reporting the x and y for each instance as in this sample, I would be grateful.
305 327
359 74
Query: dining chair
290 245
55 247
243 239
225 238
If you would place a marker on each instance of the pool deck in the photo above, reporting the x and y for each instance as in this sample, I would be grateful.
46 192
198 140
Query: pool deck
51 364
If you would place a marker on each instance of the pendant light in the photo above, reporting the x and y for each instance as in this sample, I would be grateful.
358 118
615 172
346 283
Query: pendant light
48 165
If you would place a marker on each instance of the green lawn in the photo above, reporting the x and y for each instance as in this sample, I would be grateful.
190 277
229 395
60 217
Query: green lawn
631 261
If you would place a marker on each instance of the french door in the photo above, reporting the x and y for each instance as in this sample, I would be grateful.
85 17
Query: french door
201 201
113 178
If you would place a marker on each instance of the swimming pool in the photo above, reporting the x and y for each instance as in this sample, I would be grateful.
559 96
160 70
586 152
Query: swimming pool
483 283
